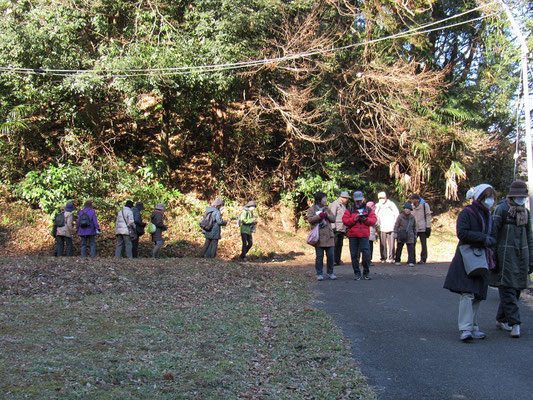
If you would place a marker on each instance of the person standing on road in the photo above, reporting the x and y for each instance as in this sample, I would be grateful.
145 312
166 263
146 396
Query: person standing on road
158 219
213 236
87 228
422 214
247 223
358 219
405 233
139 227
386 213
320 214
66 232
338 208
123 225
512 226
373 232
474 227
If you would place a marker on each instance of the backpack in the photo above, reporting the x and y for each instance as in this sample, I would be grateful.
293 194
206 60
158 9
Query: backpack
151 228
207 221
85 221
59 219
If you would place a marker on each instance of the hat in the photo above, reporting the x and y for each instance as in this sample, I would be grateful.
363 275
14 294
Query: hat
518 189
251 204
474 193
218 202
129 204
160 206
408 206
370 204
358 196
382 195
70 206
139 206
345 195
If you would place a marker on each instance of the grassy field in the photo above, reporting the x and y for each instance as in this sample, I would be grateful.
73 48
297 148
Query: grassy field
167 329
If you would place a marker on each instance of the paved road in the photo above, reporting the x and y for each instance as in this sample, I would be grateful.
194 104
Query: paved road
403 328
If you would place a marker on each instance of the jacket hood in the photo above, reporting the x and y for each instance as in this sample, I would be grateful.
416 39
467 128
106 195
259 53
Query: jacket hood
210 209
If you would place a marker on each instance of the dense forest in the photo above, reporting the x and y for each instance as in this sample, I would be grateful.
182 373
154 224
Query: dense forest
270 99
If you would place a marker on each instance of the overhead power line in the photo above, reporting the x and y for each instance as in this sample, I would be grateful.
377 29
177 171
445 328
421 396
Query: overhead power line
120 73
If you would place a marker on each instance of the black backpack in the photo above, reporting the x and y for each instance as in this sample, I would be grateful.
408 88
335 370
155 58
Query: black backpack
207 221
59 220
85 221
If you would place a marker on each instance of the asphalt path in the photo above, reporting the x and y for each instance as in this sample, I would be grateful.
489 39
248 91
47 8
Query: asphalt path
403 329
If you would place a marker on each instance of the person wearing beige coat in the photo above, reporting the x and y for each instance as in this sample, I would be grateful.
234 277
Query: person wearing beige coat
65 233
124 221
319 213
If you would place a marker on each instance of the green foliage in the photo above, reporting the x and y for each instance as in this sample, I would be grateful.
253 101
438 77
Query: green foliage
105 187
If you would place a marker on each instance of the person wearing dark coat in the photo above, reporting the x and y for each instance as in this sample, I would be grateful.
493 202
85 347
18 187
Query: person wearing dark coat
405 234
157 218
512 226
473 228
320 214
139 227
212 237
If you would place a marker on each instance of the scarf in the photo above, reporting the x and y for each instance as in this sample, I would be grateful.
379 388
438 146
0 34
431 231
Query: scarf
517 212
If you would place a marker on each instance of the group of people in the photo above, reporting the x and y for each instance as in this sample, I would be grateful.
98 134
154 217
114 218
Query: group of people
129 227
363 223
503 235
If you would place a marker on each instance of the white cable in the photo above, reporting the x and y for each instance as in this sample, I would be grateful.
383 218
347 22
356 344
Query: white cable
229 66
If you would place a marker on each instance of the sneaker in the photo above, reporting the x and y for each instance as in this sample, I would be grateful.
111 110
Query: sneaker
515 331
357 277
367 278
466 335
504 326
421 262
478 333
382 261
391 261
332 276
398 263
320 277
411 265
372 264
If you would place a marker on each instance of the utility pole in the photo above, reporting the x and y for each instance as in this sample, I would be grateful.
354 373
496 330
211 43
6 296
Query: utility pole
527 104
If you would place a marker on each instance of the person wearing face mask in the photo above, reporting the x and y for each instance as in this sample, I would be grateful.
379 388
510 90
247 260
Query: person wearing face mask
475 228
321 214
247 223
358 219
512 225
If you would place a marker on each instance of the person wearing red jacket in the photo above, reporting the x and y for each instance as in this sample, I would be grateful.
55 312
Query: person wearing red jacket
358 219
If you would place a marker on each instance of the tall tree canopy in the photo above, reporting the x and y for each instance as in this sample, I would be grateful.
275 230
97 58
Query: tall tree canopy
423 112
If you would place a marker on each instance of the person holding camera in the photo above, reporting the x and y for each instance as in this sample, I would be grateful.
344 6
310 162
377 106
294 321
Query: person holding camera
358 219
422 214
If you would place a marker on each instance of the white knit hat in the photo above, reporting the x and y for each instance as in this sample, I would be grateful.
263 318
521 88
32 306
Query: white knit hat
475 192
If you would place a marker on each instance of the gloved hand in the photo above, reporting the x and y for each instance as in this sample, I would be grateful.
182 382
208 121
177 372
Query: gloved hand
489 241
428 232
323 214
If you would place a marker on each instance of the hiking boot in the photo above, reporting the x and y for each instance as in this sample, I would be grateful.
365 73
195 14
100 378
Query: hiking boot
382 261
478 333
320 277
332 276
466 336
367 278
411 265
357 277
504 326
515 331
421 262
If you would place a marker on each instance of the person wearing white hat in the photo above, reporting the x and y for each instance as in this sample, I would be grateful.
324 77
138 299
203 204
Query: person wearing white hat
338 208
474 229
387 213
